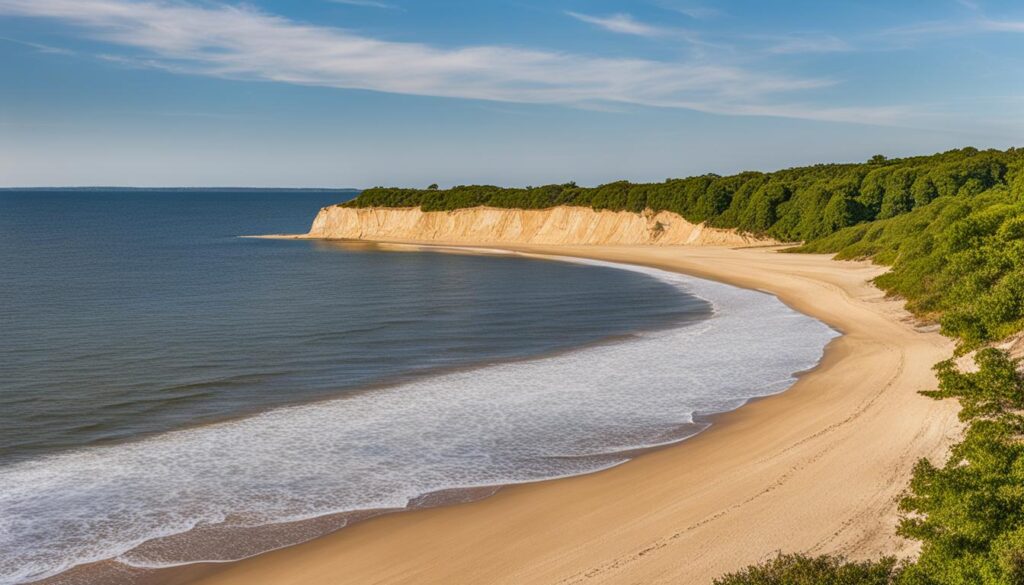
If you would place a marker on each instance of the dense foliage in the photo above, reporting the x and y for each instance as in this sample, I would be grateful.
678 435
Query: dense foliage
959 259
968 514
803 570
799 204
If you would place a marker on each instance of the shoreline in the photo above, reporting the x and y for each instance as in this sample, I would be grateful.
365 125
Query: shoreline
453 495
590 553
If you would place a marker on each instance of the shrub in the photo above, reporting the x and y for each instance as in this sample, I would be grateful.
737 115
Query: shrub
795 569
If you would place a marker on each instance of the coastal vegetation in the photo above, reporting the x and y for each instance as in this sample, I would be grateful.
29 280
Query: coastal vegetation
951 226
968 514
959 260
799 204
803 570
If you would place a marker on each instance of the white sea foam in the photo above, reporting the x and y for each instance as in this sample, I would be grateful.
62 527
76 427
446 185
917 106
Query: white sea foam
514 422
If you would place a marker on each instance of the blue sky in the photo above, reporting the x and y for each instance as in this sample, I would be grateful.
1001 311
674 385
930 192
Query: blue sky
516 92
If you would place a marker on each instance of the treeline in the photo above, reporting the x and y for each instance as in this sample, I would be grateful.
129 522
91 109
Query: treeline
968 514
799 204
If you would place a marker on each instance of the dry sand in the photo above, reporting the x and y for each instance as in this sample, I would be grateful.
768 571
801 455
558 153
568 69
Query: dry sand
816 469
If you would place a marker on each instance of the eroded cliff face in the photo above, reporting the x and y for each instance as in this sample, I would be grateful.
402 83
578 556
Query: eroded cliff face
489 225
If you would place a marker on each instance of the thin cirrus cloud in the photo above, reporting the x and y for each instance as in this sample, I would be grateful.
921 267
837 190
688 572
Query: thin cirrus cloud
809 44
241 42
367 4
947 28
990 25
627 25
694 11
622 24
39 47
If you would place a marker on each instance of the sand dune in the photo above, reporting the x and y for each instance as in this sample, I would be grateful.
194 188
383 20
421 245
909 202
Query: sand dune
818 468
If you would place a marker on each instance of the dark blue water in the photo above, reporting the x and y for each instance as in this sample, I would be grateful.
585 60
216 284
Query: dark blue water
133 313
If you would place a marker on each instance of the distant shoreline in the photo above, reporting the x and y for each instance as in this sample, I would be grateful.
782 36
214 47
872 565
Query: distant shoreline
187 189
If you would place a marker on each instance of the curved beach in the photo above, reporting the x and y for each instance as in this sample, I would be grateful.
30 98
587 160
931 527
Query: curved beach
817 469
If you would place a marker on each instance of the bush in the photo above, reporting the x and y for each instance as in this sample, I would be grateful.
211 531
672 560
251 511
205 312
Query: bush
823 570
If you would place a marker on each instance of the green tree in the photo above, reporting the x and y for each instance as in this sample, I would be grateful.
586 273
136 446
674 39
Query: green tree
898 198
923 191
840 212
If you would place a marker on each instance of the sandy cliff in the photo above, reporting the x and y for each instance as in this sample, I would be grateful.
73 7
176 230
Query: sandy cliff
555 226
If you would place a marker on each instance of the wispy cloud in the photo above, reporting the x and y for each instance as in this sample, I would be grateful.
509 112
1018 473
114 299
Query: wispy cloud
1016 26
694 11
366 3
808 44
242 42
628 25
39 47
949 28
621 23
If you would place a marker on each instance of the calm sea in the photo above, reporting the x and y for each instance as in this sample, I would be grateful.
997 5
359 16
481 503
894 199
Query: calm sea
172 393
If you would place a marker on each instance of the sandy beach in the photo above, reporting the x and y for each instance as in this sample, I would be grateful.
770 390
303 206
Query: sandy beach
816 469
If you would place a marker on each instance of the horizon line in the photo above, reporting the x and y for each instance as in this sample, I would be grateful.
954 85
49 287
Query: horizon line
169 188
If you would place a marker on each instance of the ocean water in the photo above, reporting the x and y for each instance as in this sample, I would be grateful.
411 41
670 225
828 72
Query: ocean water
172 393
